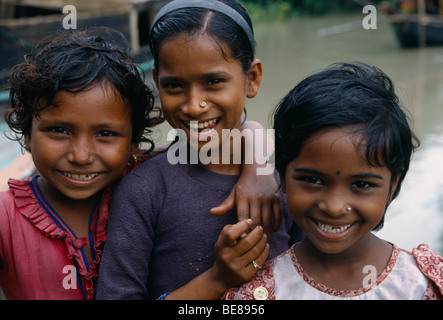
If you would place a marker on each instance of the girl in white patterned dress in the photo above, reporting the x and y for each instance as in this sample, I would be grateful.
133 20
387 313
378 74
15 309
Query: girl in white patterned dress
343 147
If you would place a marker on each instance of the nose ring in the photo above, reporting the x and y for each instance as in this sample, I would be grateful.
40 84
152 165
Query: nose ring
202 104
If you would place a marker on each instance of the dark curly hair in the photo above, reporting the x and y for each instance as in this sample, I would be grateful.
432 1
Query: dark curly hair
72 61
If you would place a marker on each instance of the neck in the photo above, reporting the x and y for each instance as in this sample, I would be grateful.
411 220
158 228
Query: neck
344 270
64 205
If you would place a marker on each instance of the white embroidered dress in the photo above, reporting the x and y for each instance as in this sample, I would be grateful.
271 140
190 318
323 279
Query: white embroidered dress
407 276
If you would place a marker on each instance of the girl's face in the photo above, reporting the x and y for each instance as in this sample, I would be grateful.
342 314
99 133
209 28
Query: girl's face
193 70
82 144
330 174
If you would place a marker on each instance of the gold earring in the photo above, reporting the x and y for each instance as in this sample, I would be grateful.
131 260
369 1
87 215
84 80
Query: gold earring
26 147
132 161
202 104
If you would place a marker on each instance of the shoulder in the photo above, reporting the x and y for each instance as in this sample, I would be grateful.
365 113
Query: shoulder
144 173
431 265
18 195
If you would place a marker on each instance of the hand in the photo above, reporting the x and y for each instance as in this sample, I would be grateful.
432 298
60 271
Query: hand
235 250
256 197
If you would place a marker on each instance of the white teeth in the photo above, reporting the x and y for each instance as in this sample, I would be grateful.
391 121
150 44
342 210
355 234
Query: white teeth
331 229
81 177
200 125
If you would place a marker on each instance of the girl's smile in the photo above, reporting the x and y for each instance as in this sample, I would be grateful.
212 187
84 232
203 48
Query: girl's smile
332 192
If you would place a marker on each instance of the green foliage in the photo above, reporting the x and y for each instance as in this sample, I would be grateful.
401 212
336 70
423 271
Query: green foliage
280 9
268 10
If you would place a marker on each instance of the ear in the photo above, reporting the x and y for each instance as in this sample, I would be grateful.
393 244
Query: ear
134 148
394 185
254 78
27 142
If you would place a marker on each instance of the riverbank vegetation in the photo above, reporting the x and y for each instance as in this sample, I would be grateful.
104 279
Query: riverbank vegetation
265 10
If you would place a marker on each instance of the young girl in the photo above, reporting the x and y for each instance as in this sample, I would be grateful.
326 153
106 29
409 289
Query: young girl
80 105
161 233
343 147
82 108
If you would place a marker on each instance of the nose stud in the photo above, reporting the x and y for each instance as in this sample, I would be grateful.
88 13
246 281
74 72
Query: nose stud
348 209
202 104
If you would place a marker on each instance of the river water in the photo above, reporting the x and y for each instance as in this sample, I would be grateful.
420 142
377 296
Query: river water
292 50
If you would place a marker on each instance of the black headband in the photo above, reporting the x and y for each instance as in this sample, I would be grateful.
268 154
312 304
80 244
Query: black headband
206 4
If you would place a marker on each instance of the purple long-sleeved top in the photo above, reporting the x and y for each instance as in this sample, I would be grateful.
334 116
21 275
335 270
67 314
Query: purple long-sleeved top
160 232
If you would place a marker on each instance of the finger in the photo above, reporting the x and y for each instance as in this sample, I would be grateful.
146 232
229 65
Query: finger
255 212
257 252
266 217
261 258
225 206
250 241
242 209
277 214
230 233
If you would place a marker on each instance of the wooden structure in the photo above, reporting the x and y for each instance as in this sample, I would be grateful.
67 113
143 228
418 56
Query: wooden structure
417 23
24 22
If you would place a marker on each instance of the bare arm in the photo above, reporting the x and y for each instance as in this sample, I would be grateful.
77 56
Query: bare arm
255 195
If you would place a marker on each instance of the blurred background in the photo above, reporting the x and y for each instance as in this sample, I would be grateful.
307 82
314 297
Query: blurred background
294 39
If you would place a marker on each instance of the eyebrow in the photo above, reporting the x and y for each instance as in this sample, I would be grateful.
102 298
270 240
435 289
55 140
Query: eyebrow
368 176
216 74
306 170
211 75
168 79
359 176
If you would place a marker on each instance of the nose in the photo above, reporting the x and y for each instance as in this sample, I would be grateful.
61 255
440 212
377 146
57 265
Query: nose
81 151
194 107
334 203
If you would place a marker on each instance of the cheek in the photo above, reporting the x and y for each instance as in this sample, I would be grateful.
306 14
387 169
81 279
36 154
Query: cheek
297 203
374 209
116 155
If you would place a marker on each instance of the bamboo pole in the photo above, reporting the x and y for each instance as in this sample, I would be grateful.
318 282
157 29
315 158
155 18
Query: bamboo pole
421 23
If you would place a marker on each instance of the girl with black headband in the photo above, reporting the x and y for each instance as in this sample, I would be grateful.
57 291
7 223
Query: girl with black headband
162 239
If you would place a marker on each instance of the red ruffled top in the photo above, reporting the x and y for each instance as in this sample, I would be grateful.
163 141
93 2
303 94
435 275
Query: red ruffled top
40 257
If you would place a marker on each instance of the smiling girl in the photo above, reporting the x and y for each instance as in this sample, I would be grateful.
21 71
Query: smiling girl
343 147
161 232
80 107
